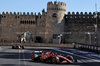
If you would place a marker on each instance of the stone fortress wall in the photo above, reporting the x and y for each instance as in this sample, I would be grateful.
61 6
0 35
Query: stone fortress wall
75 27
80 27
13 24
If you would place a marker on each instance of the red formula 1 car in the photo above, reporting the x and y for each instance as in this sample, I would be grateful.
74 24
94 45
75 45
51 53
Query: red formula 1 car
51 57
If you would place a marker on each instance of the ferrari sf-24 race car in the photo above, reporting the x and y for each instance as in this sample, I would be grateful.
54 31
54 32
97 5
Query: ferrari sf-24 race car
51 57
17 46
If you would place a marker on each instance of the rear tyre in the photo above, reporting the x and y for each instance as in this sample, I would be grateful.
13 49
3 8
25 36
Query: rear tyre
22 47
12 47
70 58
75 60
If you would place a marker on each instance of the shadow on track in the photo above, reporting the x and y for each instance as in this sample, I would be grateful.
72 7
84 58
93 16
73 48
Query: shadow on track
76 64
11 55
10 65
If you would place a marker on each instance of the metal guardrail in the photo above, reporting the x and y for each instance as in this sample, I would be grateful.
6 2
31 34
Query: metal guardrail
89 47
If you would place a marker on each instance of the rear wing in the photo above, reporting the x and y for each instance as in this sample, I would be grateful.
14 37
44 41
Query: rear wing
37 52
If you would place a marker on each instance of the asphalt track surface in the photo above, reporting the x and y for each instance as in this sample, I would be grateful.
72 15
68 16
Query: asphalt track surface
22 57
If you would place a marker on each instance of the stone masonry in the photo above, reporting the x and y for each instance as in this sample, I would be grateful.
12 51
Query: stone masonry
74 27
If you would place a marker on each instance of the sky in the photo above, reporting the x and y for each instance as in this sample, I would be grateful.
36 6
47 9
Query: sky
39 5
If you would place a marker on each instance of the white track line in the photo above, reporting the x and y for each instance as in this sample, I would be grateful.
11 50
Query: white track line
19 56
0 48
24 57
77 55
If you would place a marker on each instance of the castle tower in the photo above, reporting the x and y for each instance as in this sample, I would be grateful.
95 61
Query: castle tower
54 20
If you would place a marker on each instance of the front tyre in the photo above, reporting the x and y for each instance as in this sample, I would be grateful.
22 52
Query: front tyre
54 60
12 47
33 58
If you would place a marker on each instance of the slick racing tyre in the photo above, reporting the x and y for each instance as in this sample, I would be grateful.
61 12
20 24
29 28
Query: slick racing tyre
33 58
12 47
70 58
22 47
54 60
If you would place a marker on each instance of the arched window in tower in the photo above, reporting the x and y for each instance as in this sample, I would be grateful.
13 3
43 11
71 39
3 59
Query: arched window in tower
54 15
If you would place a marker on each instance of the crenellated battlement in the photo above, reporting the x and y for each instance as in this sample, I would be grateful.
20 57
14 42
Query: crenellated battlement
56 6
86 15
17 13
82 13
39 13
56 3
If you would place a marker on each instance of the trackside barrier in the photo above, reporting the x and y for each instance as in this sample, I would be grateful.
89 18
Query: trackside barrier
89 47
41 45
